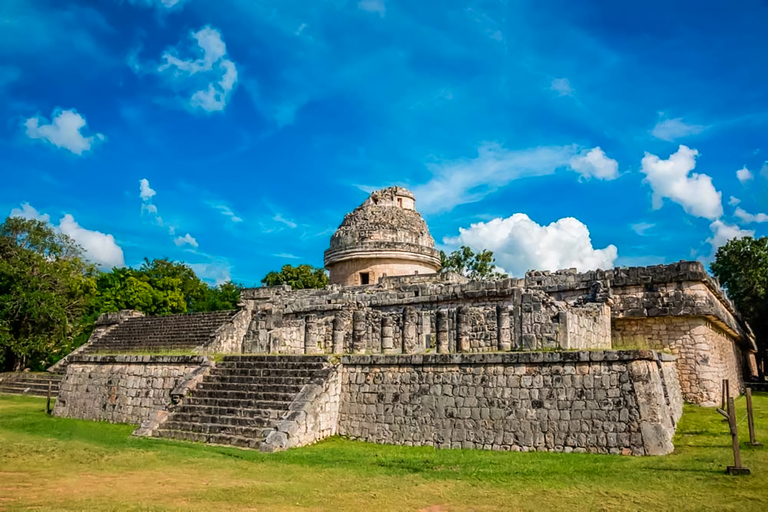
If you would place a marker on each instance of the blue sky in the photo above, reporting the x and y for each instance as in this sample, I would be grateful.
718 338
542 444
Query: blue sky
234 135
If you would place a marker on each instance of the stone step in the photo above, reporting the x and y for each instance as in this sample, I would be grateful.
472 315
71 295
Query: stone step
235 380
269 365
222 419
227 412
269 373
242 395
241 442
254 386
219 429
280 358
239 403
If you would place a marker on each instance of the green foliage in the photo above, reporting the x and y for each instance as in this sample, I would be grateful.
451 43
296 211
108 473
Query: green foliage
741 266
67 461
476 266
299 278
44 289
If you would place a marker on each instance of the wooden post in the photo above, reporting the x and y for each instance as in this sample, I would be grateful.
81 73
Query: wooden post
723 401
48 400
751 421
737 468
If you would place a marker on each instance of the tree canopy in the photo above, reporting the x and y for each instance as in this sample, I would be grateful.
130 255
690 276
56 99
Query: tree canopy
299 278
45 286
50 295
479 266
741 266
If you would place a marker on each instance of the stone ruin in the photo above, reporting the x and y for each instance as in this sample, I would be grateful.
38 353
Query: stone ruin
393 352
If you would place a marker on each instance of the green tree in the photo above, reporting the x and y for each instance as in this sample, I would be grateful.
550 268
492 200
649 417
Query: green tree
741 266
221 297
45 286
479 266
299 278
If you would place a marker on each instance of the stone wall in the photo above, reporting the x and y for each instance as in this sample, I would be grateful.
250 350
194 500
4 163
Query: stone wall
121 389
705 353
228 339
313 415
603 402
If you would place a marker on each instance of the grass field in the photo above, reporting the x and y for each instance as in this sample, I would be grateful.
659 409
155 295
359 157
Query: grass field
58 464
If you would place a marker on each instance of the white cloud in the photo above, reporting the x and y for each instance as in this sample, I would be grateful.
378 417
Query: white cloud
145 191
283 220
722 232
672 129
670 179
63 131
764 170
186 239
520 244
98 247
469 180
211 76
595 164
225 210
286 256
217 272
562 86
743 174
733 201
27 211
641 227
378 6
748 218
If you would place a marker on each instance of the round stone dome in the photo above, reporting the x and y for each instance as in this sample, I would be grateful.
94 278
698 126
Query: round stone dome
383 236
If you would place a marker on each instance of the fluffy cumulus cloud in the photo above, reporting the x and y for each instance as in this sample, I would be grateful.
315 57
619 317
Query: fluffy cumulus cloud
27 211
99 248
185 240
376 6
595 164
722 232
63 131
145 191
468 180
217 272
673 129
733 201
744 175
562 86
520 244
672 179
208 77
749 218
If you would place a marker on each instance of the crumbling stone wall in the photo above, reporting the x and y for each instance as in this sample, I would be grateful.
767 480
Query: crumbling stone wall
601 402
586 327
121 389
705 354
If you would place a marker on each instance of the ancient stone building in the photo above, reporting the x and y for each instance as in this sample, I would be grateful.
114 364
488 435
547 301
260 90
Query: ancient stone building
598 361
384 236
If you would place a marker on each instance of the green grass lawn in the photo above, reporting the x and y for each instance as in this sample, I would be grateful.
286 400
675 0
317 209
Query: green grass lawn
60 464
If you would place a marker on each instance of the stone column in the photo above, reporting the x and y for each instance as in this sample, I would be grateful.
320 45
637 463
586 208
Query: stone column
425 330
410 338
387 335
462 329
338 334
310 334
359 331
502 326
442 331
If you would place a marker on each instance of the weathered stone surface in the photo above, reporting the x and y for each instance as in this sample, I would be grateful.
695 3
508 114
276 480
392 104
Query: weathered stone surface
121 389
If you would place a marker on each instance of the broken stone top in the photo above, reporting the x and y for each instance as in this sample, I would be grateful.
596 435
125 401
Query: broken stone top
388 216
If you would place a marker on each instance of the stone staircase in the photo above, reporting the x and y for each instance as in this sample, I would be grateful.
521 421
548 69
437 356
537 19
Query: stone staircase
241 400
27 383
160 333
